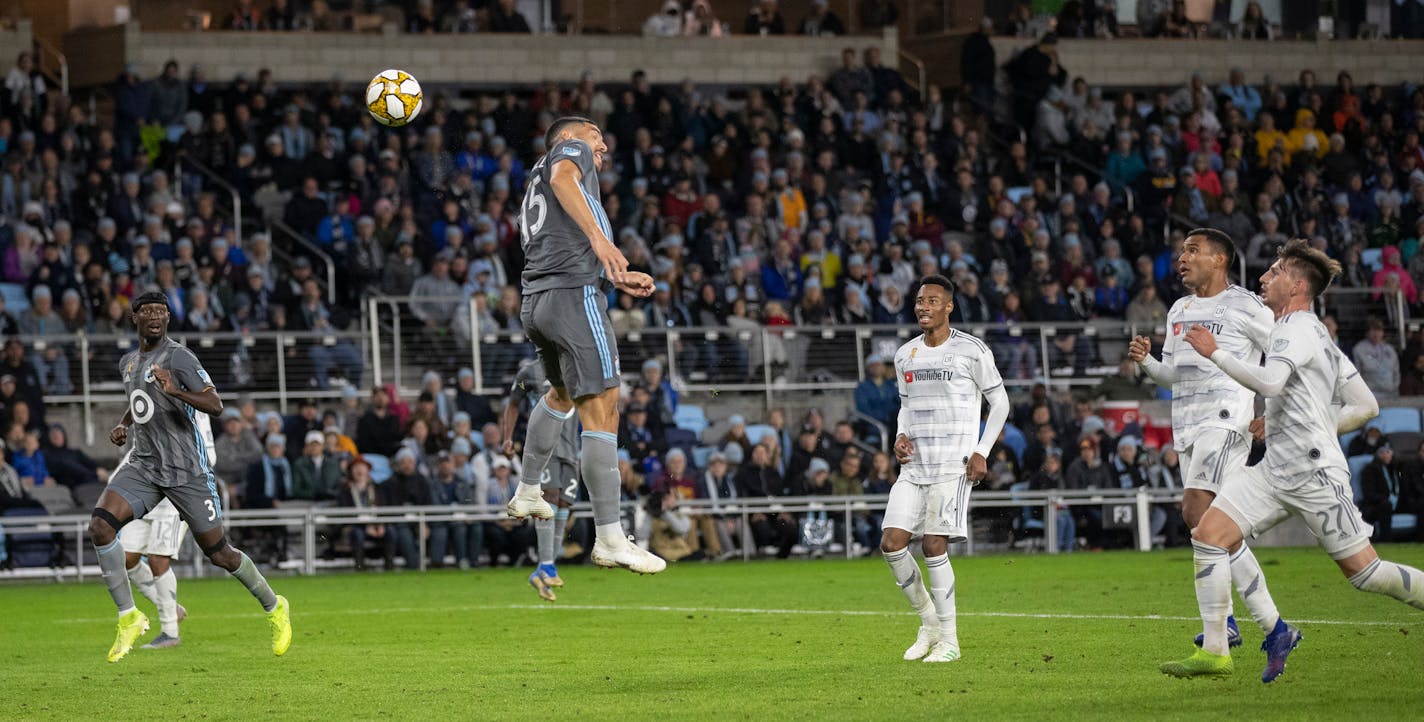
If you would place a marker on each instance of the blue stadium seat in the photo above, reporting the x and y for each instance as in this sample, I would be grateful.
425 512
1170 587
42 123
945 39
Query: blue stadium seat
380 467
690 417
1398 419
1357 466
755 432
1345 440
1403 524
1014 439
15 298
701 454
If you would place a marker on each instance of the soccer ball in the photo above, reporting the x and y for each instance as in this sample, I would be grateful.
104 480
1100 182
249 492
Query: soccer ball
393 98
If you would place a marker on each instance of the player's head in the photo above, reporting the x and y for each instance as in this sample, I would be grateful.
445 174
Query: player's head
934 302
1301 272
1207 256
150 310
575 126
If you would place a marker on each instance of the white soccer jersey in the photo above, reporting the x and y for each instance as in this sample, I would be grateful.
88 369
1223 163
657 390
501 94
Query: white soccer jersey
941 393
1203 396
1301 421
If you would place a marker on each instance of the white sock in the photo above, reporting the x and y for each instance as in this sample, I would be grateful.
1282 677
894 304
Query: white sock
942 593
167 585
142 577
1250 583
1395 580
907 575
1213 565
611 534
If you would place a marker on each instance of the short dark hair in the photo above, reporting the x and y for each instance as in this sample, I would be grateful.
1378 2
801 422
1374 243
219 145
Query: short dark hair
1310 263
551 136
941 281
1220 240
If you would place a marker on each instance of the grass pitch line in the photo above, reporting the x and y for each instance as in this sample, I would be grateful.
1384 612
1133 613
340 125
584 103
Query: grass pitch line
747 610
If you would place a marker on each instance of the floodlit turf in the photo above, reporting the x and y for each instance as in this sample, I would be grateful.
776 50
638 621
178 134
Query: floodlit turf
1043 638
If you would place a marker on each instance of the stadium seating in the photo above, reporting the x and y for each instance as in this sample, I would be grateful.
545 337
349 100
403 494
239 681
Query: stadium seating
690 417
1395 419
56 499
1357 465
1345 440
1026 526
87 496
755 432
30 549
380 467
701 454
1405 445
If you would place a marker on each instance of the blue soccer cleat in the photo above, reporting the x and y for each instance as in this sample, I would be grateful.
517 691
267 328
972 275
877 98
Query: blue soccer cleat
1233 634
1278 645
542 587
550 573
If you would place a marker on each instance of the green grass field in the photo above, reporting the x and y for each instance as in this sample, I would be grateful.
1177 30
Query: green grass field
1043 637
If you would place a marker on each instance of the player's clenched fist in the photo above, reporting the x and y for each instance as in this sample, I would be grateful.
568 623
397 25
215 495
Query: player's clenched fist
119 436
1139 348
903 448
1258 428
977 469
1202 340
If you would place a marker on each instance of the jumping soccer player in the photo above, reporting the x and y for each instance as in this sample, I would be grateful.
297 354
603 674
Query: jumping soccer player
559 481
944 375
151 544
1211 412
570 264
1304 473
167 388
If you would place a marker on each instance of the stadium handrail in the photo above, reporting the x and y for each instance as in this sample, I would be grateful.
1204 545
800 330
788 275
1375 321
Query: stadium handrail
210 174
1129 507
309 247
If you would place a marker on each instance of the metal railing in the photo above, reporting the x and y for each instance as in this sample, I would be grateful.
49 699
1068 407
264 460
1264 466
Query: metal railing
203 170
1128 509
1390 307
52 62
912 59
311 248
266 365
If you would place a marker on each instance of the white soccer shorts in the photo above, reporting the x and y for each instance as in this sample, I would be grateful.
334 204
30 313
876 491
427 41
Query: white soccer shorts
941 509
1216 455
160 533
1324 502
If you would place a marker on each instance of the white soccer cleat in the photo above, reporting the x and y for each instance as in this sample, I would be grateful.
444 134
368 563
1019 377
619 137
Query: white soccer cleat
521 506
629 556
923 642
943 651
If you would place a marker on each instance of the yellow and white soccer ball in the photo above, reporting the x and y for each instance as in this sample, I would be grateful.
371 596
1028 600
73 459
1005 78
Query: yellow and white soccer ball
393 97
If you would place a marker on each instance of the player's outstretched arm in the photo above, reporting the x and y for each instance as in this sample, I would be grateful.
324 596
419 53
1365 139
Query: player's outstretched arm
1359 405
566 180
207 401
508 416
1265 380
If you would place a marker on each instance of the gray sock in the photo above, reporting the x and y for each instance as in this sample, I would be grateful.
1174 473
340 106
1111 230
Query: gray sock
599 463
257 584
540 437
544 530
113 566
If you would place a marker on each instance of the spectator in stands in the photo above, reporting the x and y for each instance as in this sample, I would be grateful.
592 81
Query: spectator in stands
51 361
821 21
701 20
406 487
237 449
29 462
1412 381
505 537
1391 275
1032 73
1377 361
1253 24
316 476
357 492
268 482
765 19
68 465
666 23
504 18
379 430
447 488
1365 443
1050 477
759 479
1385 492
242 17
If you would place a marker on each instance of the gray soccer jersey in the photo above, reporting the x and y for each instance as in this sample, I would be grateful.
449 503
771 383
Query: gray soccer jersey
167 434
1300 421
531 383
557 253
1203 396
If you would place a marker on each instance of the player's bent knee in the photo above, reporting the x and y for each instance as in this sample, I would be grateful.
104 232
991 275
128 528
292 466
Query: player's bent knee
103 526
891 543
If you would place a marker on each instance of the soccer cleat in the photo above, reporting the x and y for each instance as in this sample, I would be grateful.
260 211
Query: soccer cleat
521 506
162 641
542 586
131 626
1233 634
550 573
629 556
1278 645
281 620
943 651
924 640
1201 664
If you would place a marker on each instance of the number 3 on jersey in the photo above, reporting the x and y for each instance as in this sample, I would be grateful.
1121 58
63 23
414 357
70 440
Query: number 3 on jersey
533 202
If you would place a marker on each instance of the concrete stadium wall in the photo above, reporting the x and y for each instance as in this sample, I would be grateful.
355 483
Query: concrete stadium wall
14 42
469 60
1134 63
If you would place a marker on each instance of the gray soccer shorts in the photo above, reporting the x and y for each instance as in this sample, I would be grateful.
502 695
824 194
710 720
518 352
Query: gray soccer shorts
562 476
571 330
193 493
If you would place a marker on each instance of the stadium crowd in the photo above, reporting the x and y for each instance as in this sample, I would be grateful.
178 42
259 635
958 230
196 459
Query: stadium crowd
807 203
